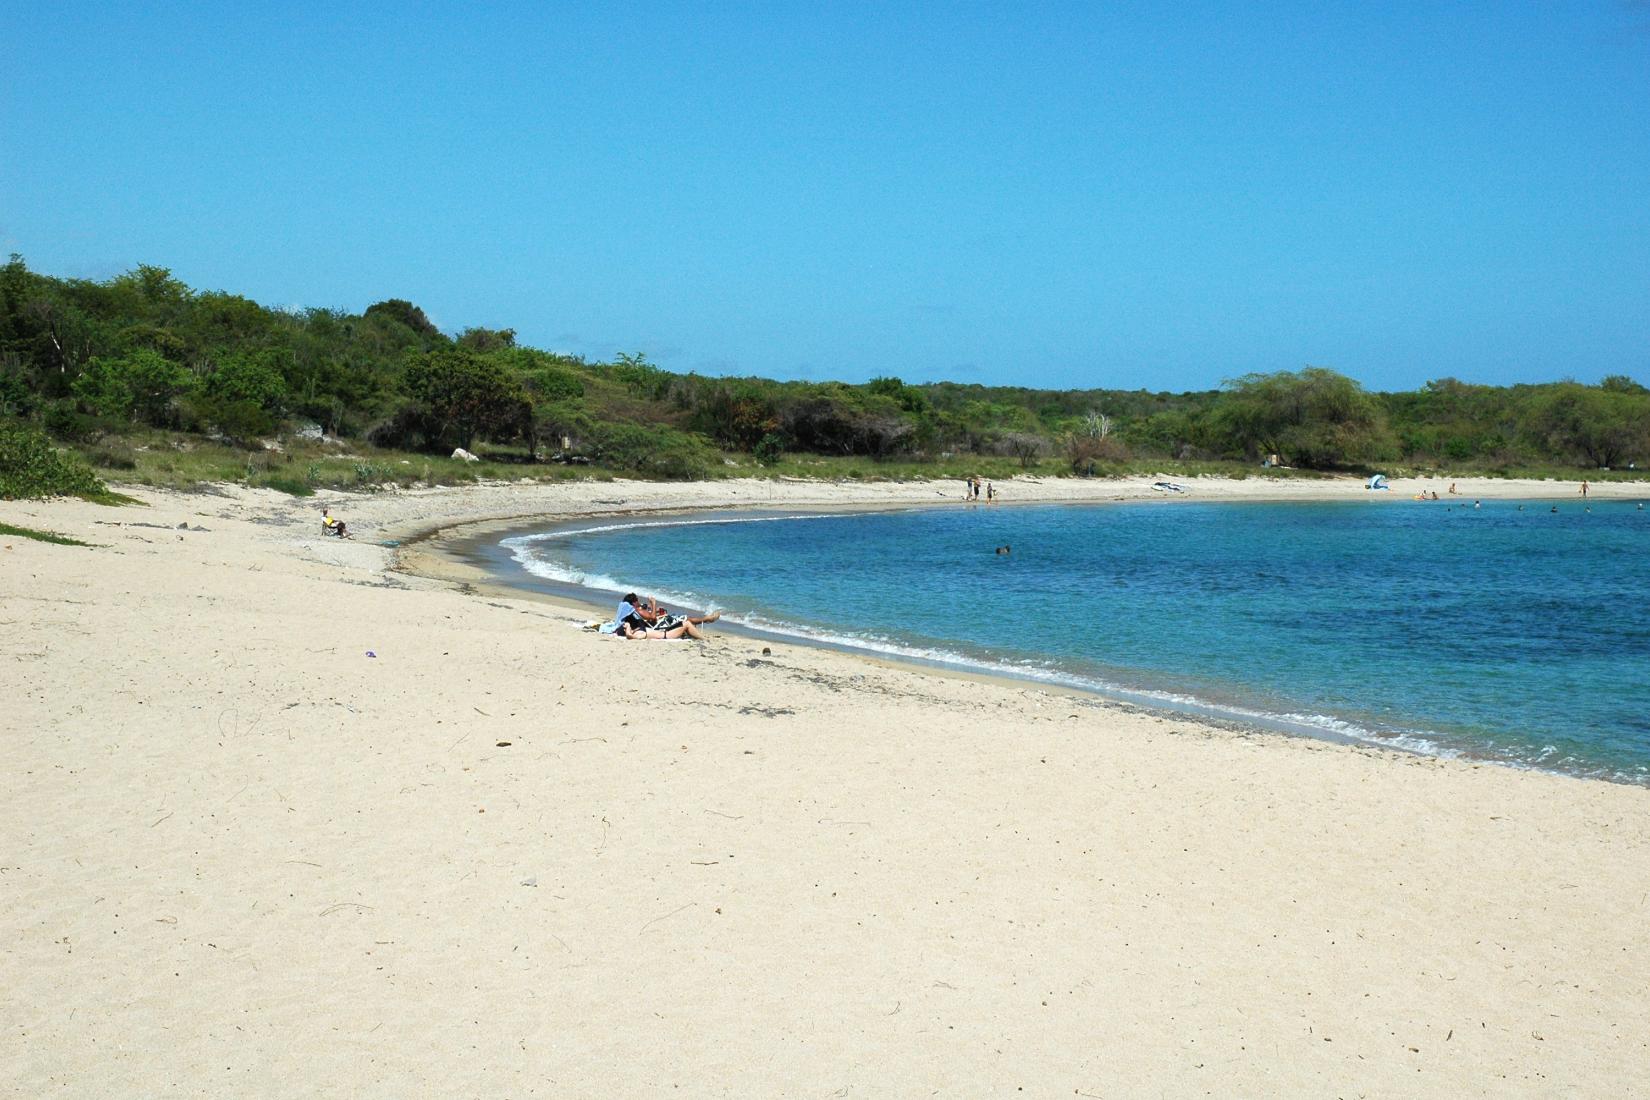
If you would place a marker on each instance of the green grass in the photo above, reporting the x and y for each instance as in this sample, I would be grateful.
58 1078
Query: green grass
7 530
176 461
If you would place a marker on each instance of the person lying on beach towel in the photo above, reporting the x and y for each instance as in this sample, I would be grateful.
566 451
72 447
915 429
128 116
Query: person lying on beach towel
656 617
632 625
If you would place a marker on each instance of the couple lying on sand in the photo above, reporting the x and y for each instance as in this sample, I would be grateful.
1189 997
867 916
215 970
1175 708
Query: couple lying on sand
639 618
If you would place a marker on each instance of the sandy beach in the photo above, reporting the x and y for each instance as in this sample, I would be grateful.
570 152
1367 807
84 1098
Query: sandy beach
287 816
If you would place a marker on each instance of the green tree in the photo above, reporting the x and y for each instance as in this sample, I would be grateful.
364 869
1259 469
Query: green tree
639 376
16 395
769 449
148 295
252 377
736 413
404 313
143 385
103 390
909 398
1604 427
1621 383
548 377
487 339
1314 417
464 395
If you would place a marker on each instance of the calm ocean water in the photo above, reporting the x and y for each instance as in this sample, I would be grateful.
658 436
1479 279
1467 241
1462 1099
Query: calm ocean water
1503 632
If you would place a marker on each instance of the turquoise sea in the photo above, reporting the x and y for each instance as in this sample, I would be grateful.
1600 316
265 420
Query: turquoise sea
1506 631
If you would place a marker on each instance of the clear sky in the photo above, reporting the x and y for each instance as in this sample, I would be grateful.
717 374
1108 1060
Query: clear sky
1055 195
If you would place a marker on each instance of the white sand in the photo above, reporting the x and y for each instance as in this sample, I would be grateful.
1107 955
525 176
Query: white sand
239 856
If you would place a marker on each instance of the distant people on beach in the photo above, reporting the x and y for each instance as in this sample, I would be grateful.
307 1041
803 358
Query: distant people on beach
1452 489
990 493
332 526
1583 490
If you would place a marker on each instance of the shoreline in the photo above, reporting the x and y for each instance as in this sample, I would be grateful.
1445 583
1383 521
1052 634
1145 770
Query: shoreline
284 817
470 553
451 553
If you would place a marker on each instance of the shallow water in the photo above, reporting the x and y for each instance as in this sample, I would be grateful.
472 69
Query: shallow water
1504 631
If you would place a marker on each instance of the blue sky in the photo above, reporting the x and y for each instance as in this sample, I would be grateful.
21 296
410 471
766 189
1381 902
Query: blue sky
1058 195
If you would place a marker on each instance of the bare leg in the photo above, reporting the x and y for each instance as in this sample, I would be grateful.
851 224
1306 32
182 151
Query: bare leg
698 620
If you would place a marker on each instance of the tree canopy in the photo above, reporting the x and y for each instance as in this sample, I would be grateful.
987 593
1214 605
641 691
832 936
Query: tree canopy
144 351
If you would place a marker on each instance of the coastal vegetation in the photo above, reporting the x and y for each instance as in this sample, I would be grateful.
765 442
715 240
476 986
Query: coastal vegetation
147 380
31 467
8 530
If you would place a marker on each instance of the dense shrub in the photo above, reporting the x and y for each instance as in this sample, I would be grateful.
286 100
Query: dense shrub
658 452
255 379
769 450
461 395
404 429
242 422
31 467
144 386
64 421
1314 418
17 398
554 384
88 359
834 420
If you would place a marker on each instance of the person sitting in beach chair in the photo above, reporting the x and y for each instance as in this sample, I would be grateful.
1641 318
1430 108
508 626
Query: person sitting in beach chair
331 526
